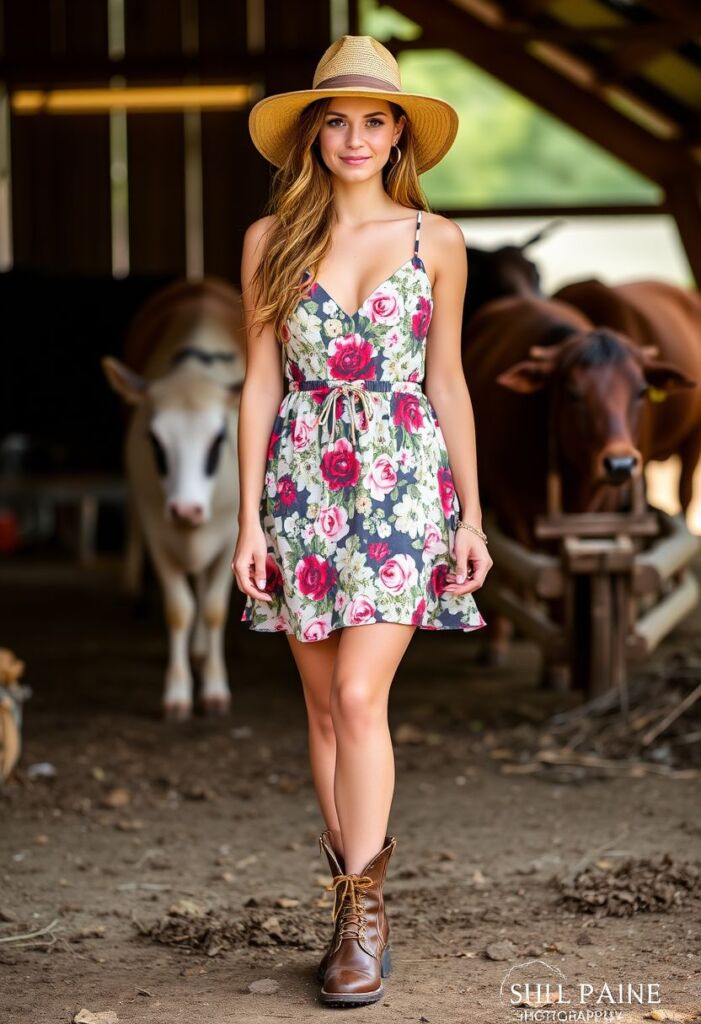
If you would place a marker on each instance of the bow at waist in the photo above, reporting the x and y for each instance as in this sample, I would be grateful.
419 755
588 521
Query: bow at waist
352 390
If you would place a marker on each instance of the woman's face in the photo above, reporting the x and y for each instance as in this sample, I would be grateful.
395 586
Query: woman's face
356 136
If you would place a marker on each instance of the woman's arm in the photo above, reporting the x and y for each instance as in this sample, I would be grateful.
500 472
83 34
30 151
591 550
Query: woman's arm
447 391
263 389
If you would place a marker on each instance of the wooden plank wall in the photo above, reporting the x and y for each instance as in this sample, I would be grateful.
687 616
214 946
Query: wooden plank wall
60 164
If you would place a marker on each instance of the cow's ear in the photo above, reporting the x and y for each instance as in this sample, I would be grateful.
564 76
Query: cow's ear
666 377
131 386
527 376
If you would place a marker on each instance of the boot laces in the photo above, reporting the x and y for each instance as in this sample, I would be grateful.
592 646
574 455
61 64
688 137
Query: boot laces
351 907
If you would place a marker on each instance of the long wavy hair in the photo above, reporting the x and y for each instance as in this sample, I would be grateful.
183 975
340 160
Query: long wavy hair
302 200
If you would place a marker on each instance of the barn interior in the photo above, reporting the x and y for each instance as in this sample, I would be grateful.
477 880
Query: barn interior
160 869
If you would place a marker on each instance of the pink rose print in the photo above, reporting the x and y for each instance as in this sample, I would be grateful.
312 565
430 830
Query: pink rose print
302 429
398 573
340 467
315 576
408 412
317 629
285 332
281 624
419 612
438 579
333 522
446 489
273 576
274 438
384 306
360 610
287 490
381 478
421 318
351 359
295 372
378 551
433 541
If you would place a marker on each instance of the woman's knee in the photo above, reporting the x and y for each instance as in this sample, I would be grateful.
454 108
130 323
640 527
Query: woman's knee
356 706
321 723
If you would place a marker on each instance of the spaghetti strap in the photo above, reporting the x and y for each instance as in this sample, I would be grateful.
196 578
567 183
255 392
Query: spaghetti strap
418 229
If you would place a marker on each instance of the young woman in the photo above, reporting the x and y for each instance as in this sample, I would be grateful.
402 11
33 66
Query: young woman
362 489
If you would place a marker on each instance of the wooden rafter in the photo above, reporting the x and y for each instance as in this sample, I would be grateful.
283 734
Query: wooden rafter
448 24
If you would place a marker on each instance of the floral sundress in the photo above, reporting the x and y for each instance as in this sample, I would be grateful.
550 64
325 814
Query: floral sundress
358 505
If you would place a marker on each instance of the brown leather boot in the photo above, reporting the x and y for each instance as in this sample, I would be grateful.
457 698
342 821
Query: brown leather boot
336 867
360 956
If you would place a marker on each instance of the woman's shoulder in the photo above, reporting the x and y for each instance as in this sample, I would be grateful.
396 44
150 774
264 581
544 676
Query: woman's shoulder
441 229
442 243
258 229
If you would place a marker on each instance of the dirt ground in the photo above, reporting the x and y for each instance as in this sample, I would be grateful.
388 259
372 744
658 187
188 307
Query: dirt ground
206 832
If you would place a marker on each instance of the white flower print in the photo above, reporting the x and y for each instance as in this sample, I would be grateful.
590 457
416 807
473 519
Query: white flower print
334 328
393 339
410 516
292 525
352 565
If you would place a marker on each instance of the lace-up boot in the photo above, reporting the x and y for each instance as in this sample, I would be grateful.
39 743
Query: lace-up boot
359 956
336 867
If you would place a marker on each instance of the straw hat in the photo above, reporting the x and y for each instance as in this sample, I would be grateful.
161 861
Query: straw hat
354 66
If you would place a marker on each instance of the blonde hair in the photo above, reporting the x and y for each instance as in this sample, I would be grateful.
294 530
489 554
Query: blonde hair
302 199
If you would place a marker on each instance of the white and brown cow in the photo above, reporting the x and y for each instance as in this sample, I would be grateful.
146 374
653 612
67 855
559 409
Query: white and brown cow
183 371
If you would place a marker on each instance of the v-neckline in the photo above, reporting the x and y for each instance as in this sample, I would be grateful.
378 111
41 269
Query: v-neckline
352 316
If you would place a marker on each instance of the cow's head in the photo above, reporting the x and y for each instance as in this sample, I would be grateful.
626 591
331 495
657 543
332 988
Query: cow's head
188 424
598 382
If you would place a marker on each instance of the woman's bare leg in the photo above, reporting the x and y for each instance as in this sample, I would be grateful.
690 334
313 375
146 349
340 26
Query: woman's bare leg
367 659
315 662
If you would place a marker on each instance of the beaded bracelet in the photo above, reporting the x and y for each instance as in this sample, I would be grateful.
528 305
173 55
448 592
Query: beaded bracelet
475 529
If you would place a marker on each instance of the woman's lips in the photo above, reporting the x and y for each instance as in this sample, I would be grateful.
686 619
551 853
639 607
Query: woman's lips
354 159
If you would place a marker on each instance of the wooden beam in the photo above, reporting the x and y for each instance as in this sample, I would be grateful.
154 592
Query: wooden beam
684 199
448 25
586 210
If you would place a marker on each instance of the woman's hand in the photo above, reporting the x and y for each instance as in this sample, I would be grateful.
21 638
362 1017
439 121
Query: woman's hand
472 563
248 563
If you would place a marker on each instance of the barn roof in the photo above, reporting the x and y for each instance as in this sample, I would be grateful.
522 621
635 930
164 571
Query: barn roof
625 73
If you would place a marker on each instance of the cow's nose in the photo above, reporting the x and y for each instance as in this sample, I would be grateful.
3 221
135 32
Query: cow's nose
184 512
619 467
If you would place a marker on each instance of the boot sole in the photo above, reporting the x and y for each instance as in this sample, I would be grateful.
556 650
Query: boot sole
359 998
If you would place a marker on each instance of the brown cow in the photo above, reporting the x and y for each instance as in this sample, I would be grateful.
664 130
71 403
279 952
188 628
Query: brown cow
540 373
668 317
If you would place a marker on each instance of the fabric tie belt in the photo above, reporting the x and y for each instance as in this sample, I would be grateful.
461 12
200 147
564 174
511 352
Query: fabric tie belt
352 390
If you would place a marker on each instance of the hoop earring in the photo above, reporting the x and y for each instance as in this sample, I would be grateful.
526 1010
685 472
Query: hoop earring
399 152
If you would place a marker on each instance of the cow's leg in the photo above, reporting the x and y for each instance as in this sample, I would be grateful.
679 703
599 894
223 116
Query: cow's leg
216 696
134 552
689 452
179 605
199 641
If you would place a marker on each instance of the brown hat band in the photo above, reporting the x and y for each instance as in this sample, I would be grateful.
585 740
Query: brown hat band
356 80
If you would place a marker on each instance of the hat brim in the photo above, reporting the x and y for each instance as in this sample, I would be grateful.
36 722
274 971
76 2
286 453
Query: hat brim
272 121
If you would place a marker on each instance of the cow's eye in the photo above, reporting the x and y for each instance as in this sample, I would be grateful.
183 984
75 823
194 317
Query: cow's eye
212 461
159 454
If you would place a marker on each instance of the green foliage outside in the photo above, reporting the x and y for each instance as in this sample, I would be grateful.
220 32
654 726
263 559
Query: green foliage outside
508 152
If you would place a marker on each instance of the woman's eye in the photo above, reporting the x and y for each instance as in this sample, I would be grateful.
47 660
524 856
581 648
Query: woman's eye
337 120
